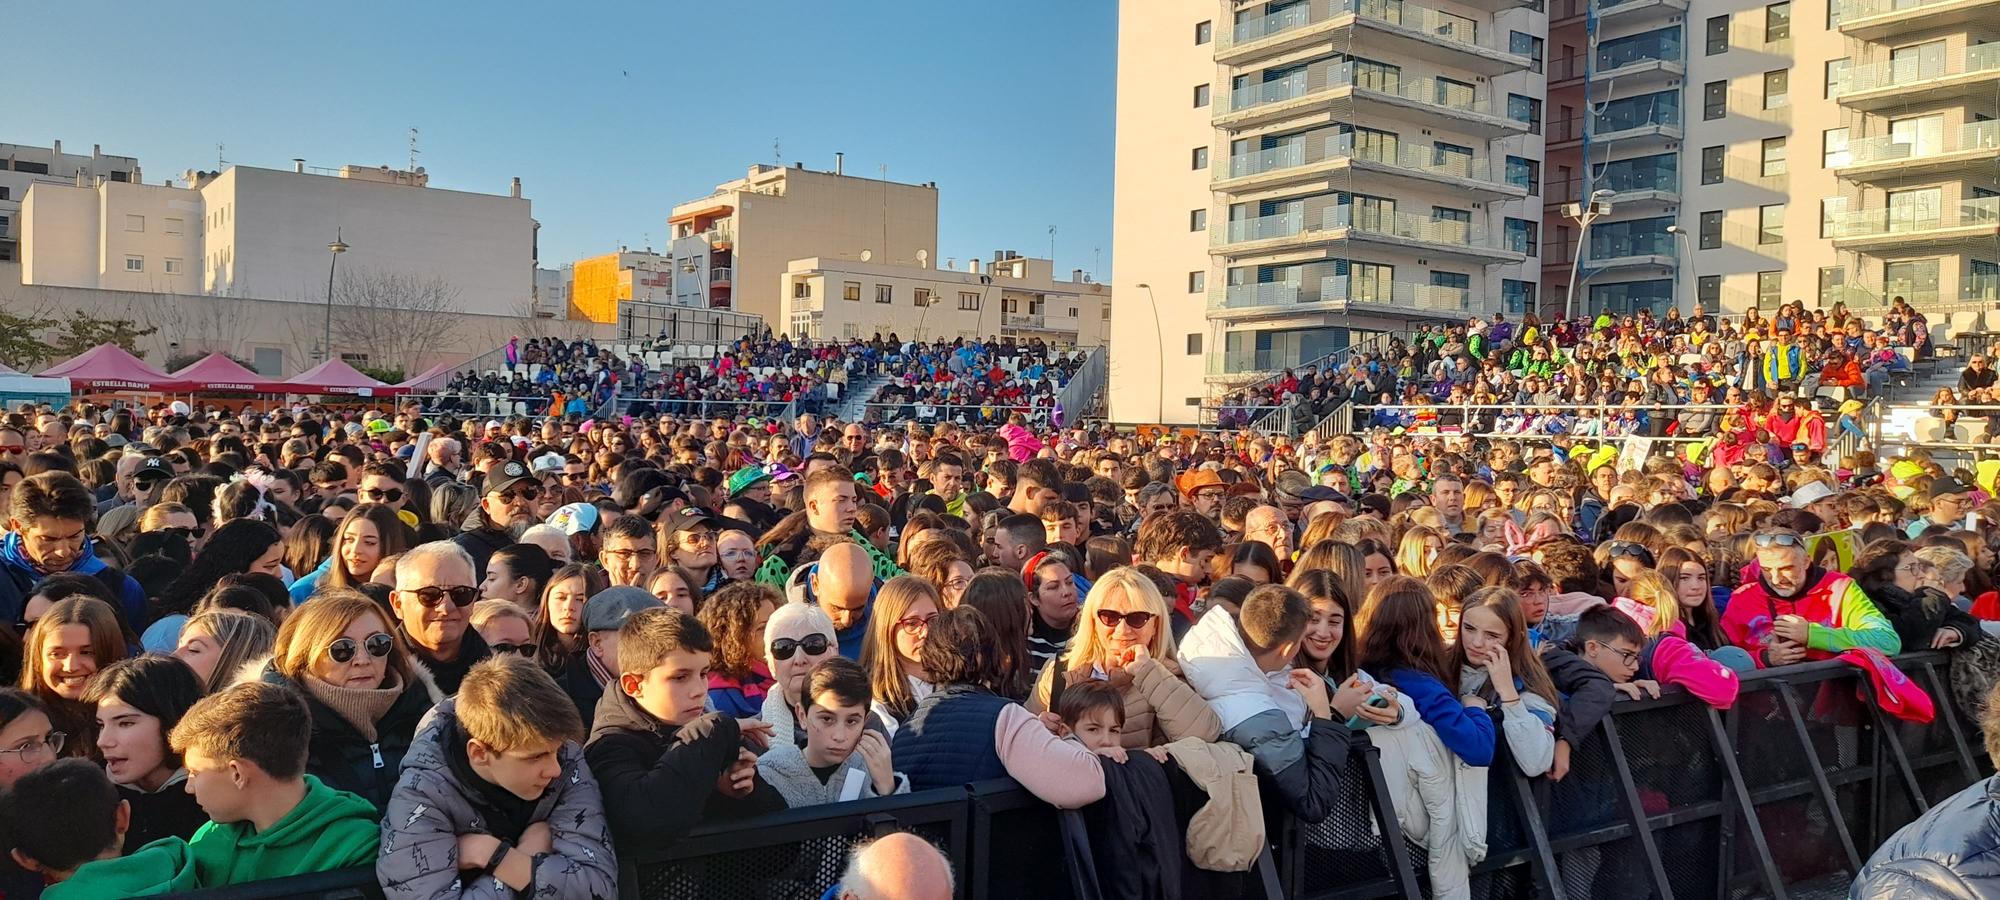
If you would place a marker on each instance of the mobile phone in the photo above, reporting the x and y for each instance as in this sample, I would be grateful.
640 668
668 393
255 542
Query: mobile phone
1357 723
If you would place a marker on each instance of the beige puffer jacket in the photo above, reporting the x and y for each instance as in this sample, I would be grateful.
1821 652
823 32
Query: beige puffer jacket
1160 707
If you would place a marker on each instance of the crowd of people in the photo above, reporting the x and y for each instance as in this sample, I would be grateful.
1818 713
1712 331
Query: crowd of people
1609 376
965 383
494 658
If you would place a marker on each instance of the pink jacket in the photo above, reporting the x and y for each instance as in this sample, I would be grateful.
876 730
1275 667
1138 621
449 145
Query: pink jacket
1022 445
1062 773
1675 661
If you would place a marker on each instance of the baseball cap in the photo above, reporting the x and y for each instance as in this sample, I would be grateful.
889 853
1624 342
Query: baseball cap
493 425
613 605
575 518
178 407
151 469
689 519
546 463
1809 493
743 479
378 426
1948 485
115 440
506 476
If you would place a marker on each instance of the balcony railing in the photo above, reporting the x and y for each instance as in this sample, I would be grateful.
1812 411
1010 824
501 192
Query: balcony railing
1365 219
1669 116
1264 26
1649 245
1399 294
1251 296
719 275
1423 89
1850 10
1022 320
1265 228
1885 148
1408 16
1416 158
1912 70
1914 220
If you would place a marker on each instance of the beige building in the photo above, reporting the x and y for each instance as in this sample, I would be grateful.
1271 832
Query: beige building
732 248
22 166
1013 296
1293 177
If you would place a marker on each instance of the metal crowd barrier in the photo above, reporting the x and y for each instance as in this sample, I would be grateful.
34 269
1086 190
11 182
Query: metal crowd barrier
1784 795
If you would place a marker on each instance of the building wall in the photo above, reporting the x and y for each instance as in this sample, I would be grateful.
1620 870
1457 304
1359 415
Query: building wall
60 168
154 227
963 304
59 236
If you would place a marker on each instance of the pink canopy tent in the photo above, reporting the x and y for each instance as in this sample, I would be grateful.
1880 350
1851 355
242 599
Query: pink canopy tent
337 377
107 367
216 373
433 379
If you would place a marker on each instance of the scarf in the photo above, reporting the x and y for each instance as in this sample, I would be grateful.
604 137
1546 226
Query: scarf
598 670
511 814
358 707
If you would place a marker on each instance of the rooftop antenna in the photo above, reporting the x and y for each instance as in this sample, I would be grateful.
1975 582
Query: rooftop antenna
219 164
1052 244
413 148
777 154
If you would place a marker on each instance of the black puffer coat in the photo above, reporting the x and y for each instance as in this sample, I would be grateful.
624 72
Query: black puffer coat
342 758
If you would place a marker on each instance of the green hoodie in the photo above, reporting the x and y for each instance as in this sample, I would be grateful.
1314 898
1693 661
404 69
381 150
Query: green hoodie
161 867
327 831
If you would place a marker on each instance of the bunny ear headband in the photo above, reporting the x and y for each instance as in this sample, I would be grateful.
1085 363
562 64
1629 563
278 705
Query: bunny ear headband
261 480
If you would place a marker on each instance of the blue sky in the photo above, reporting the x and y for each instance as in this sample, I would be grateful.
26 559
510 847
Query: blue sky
611 113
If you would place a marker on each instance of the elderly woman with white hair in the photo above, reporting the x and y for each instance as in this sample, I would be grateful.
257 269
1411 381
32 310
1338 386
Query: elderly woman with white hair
798 637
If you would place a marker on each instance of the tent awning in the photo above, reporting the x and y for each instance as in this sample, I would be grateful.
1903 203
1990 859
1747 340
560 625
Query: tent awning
216 373
433 379
335 376
108 367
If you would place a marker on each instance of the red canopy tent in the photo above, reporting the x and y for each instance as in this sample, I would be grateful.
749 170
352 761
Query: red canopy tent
107 367
337 377
433 379
216 373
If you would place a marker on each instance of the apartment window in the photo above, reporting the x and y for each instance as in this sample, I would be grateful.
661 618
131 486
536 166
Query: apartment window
1832 280
1777 22
1833 148
885 293
1708 291
1197 281
1194 344
135 264
851 291
1924 135
1831 209
1204 31
1777 88
1525 173
1455 94
1524 44
173 226
1773 160
1371 283
3 226
802 290
1771 223
1718 35
135 223
1770 290
173 266
1836 76
1525 109
1514 295
1715 100
968 301
1523 236
1200 95
1201 157
1711 230
6 192
1914 280
1711 165
922 298
1917 61
1197 219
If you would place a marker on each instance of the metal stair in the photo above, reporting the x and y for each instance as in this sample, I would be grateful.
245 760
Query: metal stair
854 402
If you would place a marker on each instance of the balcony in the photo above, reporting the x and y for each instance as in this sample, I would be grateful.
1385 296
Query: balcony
1321 156
1337 293
1374 92
721 234
1885 158
1626 11
1874 20
1639 69
1917 226
1660 122
1639 190
1953 75
1023 320
719 275
1647 252
1430 237
1321 21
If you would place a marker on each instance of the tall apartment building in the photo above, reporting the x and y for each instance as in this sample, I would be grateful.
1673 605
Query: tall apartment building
731 248
22 166
1294 176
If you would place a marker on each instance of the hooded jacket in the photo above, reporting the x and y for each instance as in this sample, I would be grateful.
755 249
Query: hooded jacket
658 780
433 805
167 868
1918 616
327 831
19 575
339 754
1298 757
1840 616
1951 852
781 560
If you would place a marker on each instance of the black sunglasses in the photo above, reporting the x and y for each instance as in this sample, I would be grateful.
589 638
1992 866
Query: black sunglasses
525 649
529 492
1110 618
431 596
812 644
1628 548
1777 539
384 495
376 644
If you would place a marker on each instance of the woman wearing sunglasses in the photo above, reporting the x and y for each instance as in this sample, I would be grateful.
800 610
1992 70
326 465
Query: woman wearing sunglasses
797 638
1123 637
365 692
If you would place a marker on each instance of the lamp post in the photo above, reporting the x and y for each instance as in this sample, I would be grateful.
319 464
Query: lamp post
1160 369
1584 213
1680 240
326 337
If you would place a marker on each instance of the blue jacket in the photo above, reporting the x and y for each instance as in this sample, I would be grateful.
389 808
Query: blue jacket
20 577
1468 733
303 587
948 741
1947 852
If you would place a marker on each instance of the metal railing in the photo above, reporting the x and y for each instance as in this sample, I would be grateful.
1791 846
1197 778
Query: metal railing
1079 397
709 409
964 413
470 403
1442 93
1847 11
1022 320
1317 149
1228 363
719 274
1910 71
1914 219
1344 289
1968 137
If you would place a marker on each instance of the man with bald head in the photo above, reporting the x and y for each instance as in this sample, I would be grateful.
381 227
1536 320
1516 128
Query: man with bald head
899 866
842 584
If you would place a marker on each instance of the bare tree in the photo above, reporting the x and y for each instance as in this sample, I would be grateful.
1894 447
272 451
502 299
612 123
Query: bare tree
393 318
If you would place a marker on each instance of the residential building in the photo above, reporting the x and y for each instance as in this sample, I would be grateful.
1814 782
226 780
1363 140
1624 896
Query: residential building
552 287
22 166
599 284
732 248
1293 177
1014 296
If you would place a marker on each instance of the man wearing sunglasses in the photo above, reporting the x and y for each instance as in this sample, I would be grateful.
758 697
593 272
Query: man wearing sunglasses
382 482
435 590
1794 610
1951 500
13 445
505 510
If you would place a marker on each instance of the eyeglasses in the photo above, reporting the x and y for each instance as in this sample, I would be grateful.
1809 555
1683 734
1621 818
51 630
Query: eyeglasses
53 742
813 644
181 530
528 492
383 495
525 649
13 448
432 595
739 553
1110 618
1631 657
697 538
1767 540
914 625
377 645
629 555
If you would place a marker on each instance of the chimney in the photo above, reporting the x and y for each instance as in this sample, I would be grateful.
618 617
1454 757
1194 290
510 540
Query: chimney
1076 275
58 148
96 150
516 190
298 165
839 163
974 263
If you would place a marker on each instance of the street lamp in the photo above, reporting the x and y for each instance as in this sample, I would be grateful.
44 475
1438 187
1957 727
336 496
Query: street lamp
1160 370
1584 214
1680 240
326 338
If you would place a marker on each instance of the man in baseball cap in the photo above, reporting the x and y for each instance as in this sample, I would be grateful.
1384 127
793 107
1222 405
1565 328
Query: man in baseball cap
603 615
505 510
1951 500
690 544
